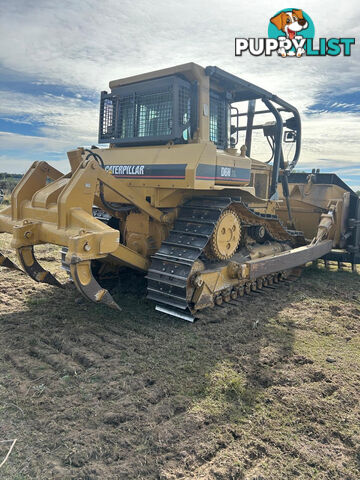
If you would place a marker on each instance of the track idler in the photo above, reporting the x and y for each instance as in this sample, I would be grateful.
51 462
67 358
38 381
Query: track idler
88 287
32 267
6 262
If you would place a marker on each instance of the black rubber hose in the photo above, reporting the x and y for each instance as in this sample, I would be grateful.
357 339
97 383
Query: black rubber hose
101 184
96 156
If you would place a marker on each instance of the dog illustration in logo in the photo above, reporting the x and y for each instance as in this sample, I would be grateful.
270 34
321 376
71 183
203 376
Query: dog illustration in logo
291 23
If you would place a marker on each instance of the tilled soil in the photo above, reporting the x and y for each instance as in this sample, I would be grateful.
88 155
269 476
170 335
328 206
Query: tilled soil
264 389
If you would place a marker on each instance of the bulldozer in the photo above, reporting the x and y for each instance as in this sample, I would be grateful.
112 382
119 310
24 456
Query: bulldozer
172 190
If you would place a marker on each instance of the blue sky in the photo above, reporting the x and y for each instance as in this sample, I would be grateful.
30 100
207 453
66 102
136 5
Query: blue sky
56 57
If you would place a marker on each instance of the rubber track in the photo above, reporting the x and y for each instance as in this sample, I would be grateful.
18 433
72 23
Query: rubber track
171 265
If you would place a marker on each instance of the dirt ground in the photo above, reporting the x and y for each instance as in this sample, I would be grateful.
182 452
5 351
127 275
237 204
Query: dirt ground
265 390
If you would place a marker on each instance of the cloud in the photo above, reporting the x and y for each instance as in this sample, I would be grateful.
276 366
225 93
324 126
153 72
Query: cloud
76 48
324 145
14 141
21 162
59 114
47 39
62 124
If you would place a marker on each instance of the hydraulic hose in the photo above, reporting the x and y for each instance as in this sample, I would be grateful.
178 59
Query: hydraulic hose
101 184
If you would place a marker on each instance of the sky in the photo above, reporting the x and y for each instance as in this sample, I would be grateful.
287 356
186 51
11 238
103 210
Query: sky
56 58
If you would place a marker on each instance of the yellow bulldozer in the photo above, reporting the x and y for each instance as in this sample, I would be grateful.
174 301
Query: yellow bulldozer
176 194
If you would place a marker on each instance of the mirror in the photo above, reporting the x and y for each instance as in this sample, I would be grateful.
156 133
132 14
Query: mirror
290 136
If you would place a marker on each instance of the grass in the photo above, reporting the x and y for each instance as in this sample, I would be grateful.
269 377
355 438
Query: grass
135 394
225 391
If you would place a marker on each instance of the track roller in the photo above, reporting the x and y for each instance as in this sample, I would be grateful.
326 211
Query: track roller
226 297
283 276
233 294
241 291
218 300
248 288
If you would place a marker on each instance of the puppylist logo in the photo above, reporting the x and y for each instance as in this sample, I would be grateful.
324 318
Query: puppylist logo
291 33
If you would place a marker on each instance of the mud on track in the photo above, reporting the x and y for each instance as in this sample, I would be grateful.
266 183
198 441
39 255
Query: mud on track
264 390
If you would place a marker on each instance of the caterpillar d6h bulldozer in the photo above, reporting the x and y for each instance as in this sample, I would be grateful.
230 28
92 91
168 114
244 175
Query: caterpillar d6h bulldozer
177 195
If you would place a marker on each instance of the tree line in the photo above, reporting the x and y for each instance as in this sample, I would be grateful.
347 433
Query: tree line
8 181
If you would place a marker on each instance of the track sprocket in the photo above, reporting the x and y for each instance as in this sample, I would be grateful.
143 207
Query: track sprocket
225 238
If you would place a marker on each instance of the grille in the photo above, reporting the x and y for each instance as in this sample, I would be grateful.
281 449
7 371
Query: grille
184 106
147 115
154 114
107 118
185 111
217 122
147 112
125 117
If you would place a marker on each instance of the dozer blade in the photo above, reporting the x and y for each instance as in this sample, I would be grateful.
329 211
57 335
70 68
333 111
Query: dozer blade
89 287
33 268
6 262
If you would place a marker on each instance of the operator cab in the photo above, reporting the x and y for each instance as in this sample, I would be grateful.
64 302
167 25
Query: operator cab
155 112
190 104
